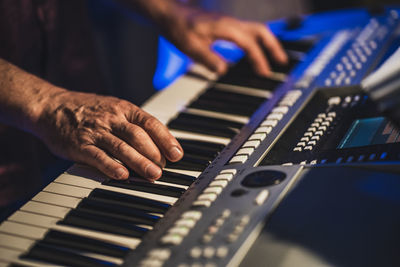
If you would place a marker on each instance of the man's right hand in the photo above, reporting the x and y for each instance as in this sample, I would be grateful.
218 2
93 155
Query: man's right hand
96 130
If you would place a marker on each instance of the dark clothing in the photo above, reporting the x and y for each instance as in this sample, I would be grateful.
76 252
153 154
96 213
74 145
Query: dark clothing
51 39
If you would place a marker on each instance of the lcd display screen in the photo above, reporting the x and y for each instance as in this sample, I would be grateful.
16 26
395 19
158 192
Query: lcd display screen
370 131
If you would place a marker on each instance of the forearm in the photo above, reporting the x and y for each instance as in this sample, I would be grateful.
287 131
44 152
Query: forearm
23 96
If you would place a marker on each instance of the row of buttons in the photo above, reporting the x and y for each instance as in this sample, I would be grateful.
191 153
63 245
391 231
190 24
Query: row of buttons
209 252
210 194
315 131
265 127
214 228
349 159
181 228
238 229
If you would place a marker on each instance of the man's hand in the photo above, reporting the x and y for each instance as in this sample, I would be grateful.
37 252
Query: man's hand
193 31
97 130
100 131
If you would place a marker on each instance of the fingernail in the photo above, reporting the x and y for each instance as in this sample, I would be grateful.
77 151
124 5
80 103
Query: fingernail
152 171
120 173
175 153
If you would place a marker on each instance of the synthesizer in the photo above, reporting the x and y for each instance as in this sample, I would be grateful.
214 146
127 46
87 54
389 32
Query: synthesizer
252 145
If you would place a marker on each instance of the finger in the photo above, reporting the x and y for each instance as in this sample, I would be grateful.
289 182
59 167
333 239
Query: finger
249 43
272 44
129 156
138 138
205 55
159 133
97 158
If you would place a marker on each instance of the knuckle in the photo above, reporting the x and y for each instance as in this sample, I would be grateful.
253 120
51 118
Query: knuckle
151 123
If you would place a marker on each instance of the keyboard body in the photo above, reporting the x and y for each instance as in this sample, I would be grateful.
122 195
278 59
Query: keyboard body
216 218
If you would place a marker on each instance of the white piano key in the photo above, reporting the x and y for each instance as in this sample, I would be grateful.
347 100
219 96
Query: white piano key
57 199
23 230
218 115
67 190
15 242
244 90
76 181
8 254
42 223
186 172
45 209
200 137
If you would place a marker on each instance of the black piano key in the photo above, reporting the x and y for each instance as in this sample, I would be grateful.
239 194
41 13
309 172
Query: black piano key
209 120
199 151
147 187
293 62
117 211
182 165
222 107
202 127
84 244
47 253
197 154
303 45
233 98
129 201
201 144
177 178
95 222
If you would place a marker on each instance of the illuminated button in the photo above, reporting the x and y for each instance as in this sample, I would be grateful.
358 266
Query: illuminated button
244 220
328 82
219 222
319 120
308 134
304 162
275 116
319 133
315 138
287 164
332 114
299 149
339 160
352 73
253 143
371 157
231 171
182 231
171 239
222 252
322 128
206 238
305 139
358 65
350 159
214 190
219 184
312 143
208 252
196 252
212 229
311 129
282 110
207 197
271 123
333 74
245 151
361 158
313 162
232 238
186 223
347 99
226 213
325 123
192 214
334 101
329 119
321 115
345 59
224 176
349 67
161 254
258 136
339 67
238 159
261 197
315 124
301 144
202 203
324 161
308 148
238 229
347 81
264 129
